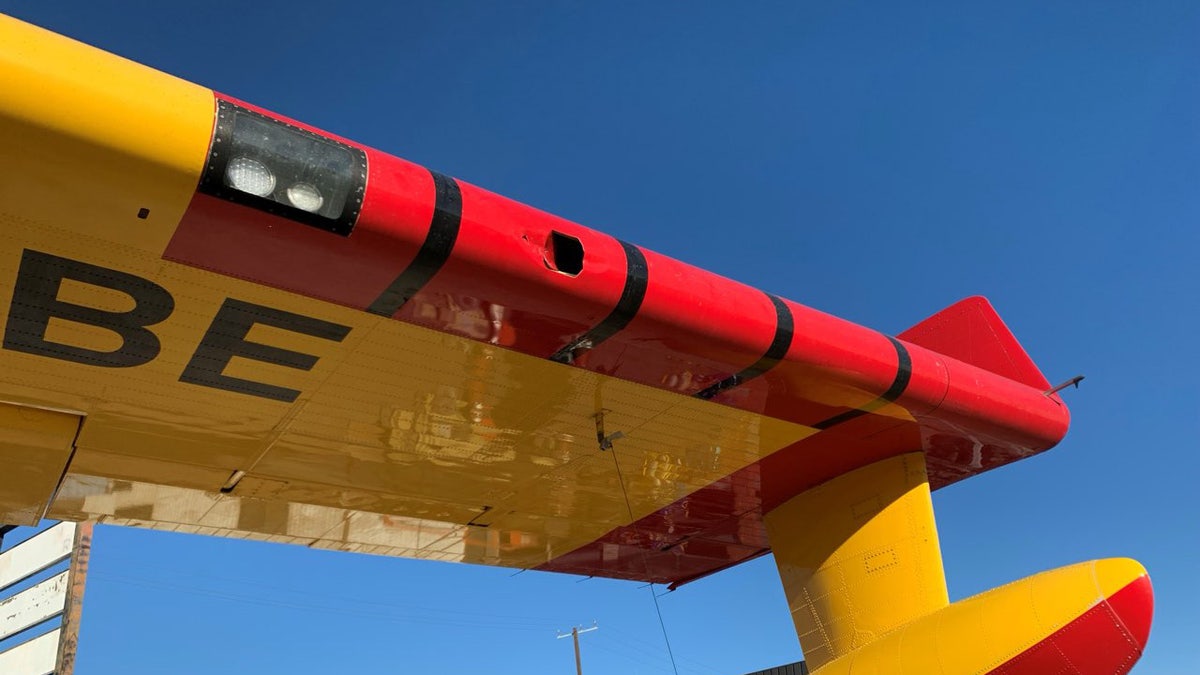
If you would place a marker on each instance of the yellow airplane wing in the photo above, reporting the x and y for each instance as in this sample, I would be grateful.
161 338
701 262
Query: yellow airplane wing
219 320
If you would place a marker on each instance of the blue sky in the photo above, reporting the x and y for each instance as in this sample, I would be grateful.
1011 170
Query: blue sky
872 161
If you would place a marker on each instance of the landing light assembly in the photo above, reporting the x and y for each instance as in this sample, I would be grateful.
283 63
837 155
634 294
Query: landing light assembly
287 171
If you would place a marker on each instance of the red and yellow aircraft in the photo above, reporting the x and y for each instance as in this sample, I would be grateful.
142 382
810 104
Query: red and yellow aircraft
219 320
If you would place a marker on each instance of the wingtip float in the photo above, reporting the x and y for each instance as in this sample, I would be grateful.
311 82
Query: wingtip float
393 361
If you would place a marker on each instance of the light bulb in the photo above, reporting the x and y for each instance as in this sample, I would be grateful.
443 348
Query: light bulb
305 197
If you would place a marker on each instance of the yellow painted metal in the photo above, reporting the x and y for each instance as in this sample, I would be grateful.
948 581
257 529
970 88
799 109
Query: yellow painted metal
477 433
862 571
859 556
405 441
412 434
975 635
90 138
394 422
35 446
395 419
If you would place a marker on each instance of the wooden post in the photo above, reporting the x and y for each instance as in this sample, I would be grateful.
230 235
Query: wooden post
578 663
68 645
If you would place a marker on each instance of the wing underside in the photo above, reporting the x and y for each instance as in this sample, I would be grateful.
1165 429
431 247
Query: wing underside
432 371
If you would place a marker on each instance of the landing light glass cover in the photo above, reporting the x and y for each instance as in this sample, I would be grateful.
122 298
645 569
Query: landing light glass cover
270 165
249 176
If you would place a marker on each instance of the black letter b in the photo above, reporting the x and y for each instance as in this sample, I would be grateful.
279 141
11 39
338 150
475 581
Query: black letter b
35 301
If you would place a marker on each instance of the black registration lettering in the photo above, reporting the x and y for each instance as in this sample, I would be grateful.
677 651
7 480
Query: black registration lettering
35 302
226 338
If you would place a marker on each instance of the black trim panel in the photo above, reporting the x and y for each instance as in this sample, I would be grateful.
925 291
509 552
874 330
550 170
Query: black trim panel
435 251
636 280
784 331
899 384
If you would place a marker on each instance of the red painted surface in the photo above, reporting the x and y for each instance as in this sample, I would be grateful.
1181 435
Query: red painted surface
281 253
693 329
973 401
832 366
1108 639
671 546
971 331
497 286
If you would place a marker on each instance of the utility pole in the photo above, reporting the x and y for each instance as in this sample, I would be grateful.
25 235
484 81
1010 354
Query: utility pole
575 631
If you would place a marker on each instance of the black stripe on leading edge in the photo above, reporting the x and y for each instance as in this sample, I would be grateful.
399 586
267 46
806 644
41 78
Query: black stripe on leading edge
784 330
903 375
636 278
443 231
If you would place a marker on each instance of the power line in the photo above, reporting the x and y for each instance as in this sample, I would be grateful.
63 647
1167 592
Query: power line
308 594
635 648
607 443
316 607
636 643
